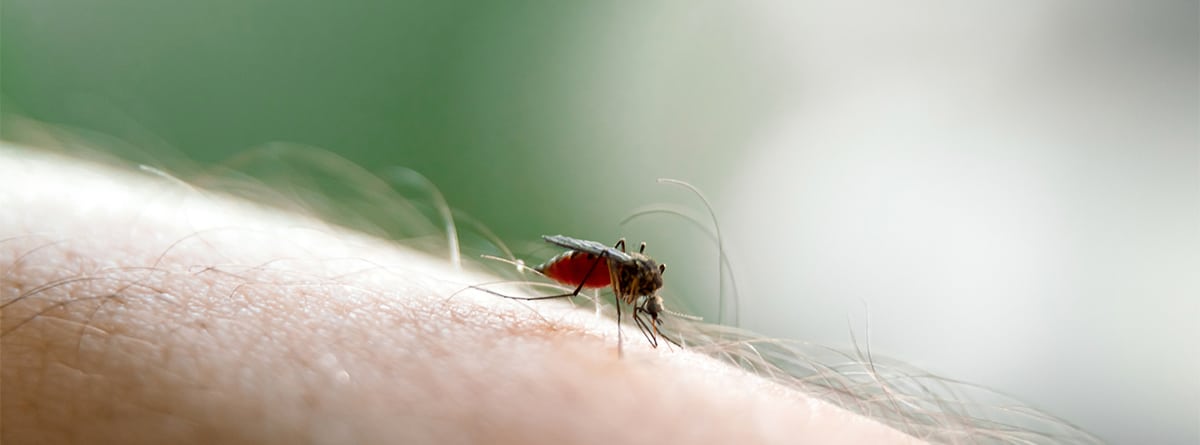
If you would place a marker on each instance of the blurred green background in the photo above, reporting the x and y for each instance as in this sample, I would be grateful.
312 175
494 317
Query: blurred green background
493 103
1011 188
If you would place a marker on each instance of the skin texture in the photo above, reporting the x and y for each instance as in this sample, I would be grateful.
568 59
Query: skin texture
139 310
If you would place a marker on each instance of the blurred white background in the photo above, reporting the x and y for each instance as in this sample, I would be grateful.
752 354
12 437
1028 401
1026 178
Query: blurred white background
1012 188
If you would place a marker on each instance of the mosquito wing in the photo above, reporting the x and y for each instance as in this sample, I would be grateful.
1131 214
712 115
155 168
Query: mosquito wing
591 247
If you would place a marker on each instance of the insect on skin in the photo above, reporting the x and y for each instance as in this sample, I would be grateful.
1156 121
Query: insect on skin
634 277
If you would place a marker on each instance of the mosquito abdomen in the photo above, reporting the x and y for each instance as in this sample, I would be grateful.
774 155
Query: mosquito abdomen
570 268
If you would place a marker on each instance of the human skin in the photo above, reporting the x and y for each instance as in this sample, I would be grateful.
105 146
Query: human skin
140 310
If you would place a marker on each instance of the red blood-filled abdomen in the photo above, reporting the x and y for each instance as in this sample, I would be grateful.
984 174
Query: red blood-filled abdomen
570 268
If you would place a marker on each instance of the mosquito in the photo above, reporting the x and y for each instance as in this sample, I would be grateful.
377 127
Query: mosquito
634 277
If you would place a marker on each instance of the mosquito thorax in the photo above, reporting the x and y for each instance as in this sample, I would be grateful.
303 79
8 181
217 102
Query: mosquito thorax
639 277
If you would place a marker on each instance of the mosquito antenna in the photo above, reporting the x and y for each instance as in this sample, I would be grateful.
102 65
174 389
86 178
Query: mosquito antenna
683 316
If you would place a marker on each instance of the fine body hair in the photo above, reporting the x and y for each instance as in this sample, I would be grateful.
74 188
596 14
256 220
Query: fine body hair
402 207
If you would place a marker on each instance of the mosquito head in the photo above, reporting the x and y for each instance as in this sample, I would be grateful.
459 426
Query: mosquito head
653 306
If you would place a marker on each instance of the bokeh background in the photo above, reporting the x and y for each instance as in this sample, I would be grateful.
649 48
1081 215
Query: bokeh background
1008 190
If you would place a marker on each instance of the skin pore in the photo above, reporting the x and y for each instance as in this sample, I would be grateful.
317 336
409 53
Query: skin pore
139 310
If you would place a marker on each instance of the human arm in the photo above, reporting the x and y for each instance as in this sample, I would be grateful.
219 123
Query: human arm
137 310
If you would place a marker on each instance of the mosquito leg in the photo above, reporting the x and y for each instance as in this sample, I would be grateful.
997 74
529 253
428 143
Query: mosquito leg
669 339
620 339
599 258
646 332
660 334
620 244
510 297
